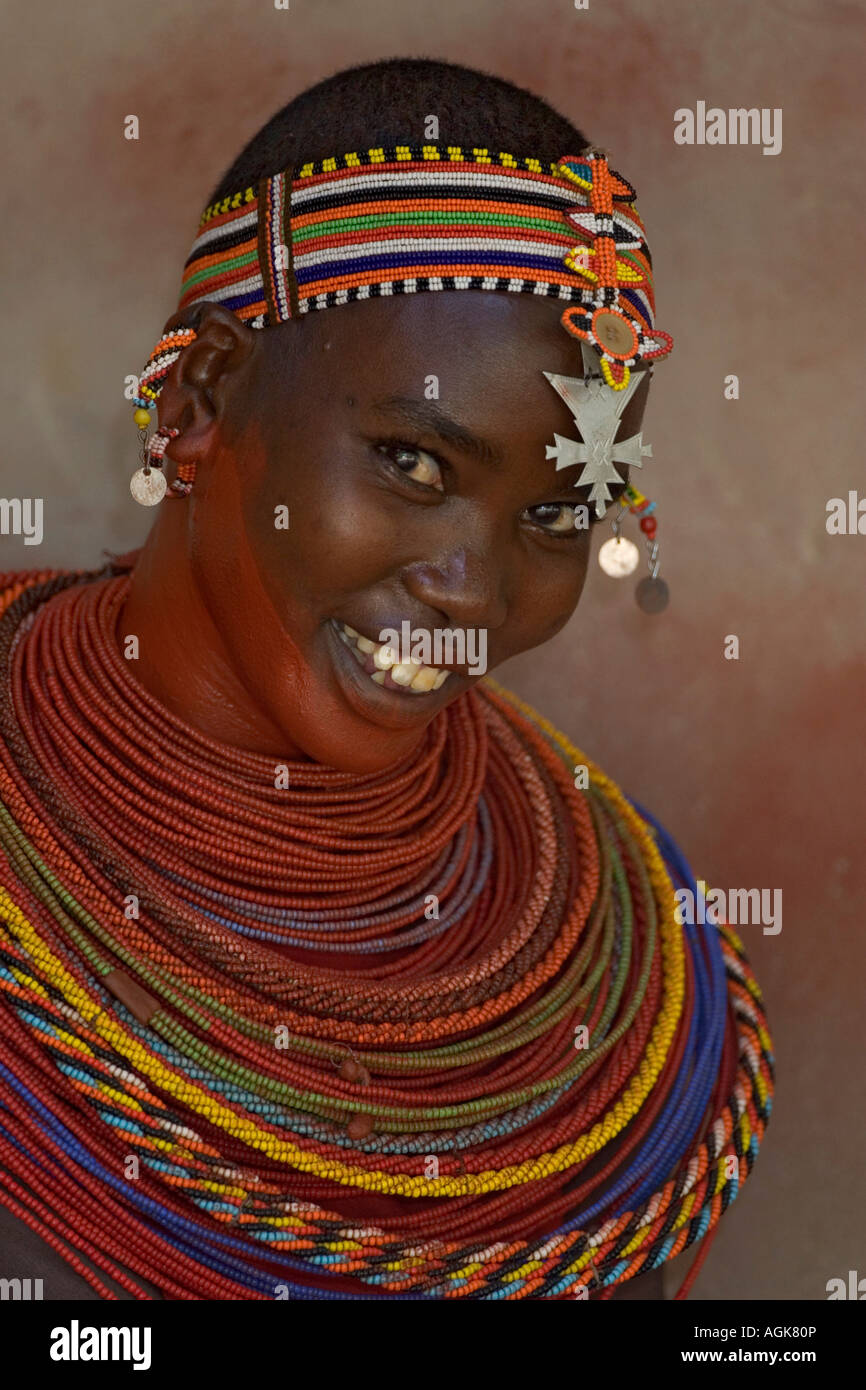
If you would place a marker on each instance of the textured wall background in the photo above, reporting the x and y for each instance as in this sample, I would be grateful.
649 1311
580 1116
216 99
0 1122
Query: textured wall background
754 764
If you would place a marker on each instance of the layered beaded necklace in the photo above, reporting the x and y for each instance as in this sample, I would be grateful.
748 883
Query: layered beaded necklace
434 1033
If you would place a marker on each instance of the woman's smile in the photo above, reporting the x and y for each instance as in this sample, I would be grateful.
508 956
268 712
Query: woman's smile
381 688
384 666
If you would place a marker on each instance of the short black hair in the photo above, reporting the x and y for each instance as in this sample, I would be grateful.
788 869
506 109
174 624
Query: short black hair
388 103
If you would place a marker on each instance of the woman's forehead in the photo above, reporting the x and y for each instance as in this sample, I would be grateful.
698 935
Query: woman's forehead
449 334
472 357
473 374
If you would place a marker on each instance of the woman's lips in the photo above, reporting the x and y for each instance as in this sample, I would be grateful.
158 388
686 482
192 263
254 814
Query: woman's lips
390 705
379 662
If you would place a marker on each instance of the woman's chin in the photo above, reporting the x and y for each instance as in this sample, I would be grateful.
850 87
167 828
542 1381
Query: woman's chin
334 712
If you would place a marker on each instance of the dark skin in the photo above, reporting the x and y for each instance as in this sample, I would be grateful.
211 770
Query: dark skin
445 513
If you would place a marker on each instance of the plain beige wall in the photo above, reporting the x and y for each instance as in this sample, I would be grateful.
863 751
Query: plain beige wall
755 764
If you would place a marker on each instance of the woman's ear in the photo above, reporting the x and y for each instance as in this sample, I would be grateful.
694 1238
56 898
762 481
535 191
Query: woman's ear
195 391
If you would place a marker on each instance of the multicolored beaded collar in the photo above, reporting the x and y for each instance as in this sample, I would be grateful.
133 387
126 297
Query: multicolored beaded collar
246 1062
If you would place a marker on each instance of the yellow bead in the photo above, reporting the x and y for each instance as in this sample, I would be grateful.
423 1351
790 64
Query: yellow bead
142 418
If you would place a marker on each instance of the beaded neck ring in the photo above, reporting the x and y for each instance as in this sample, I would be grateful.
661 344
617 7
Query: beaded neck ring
548 1088
410 219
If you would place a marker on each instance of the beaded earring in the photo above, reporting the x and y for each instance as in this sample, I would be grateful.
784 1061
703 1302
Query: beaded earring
619 556
148 484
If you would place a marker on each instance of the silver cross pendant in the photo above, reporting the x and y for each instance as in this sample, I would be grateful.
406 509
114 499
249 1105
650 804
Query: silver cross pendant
597 410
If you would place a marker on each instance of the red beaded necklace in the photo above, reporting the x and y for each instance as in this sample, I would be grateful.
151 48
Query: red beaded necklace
245 975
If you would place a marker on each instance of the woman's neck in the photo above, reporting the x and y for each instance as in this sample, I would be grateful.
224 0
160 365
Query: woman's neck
182 660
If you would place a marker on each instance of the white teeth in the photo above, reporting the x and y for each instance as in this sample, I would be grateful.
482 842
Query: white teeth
411 674
384 658
403 674
424 680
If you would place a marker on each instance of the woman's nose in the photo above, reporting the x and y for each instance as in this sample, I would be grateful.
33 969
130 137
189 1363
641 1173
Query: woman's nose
465 586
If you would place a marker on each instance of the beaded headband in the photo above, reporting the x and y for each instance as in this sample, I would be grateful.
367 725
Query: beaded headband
407 219
413 218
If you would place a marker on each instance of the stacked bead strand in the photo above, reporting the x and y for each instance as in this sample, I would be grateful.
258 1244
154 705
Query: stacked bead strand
325 1089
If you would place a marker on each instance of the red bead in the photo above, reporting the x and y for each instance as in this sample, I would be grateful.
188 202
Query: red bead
648 525
353 853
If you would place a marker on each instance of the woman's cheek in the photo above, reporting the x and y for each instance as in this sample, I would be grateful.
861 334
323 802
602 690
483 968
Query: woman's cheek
545 605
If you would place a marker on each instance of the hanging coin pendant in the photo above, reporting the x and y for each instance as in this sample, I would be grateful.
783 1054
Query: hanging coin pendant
148 488
652 595
619 556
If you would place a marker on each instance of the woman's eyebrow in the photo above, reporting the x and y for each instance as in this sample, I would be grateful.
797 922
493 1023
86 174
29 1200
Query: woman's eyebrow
427 415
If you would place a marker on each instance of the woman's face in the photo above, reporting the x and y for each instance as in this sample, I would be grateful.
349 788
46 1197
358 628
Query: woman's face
406 438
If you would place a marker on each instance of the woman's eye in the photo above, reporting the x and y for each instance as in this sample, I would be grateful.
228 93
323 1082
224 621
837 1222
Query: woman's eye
418 465
555 517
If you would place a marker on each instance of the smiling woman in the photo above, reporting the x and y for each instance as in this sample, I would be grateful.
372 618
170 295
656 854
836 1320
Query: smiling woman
327 969
439 513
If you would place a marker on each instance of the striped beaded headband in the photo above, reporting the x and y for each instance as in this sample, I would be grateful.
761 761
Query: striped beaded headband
407 219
